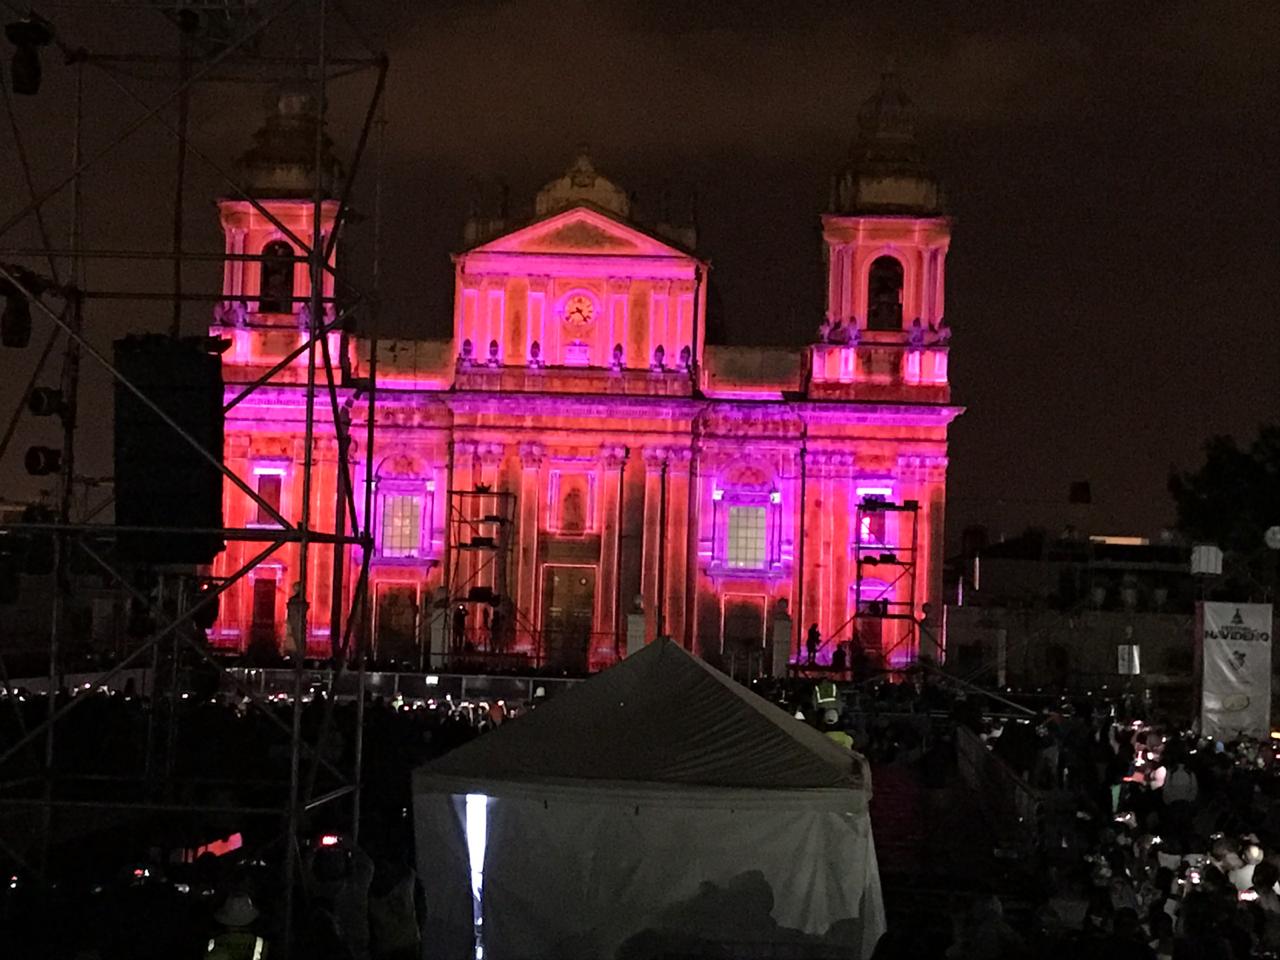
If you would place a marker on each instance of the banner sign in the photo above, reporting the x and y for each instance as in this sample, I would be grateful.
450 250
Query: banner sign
1235 647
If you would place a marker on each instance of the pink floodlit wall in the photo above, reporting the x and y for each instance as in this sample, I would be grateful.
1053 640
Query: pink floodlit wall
714 514
919 244
248 232
574 288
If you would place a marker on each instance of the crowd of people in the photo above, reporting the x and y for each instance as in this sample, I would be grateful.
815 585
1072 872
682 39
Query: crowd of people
207 883
1169 846
1152 843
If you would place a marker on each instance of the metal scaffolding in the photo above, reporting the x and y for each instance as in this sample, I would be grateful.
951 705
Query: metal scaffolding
233 41
885 562
481 526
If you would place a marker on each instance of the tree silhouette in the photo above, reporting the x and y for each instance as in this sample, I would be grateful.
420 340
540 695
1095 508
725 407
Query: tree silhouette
1231 501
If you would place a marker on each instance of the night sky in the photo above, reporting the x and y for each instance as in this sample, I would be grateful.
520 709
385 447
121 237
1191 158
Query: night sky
1112 168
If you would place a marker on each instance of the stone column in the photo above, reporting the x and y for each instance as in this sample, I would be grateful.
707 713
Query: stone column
536 326
235 268
660 313
842 572
526 585
829 600
325 488
612 460
846 282
835 261
612 327
677 542
655 462
811 573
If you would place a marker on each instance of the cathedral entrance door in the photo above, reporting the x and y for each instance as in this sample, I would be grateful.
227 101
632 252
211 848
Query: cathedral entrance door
743 635
262 627
568 612
396 626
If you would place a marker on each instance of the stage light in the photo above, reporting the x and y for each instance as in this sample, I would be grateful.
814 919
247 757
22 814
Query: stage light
45 401
42 461
329 840
27 37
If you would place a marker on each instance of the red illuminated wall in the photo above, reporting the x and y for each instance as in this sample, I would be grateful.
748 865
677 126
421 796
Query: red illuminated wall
710 483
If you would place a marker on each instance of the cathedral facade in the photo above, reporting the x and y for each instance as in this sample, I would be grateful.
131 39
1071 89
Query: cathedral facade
576 466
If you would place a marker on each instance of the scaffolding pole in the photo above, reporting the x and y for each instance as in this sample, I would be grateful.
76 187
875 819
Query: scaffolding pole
68 534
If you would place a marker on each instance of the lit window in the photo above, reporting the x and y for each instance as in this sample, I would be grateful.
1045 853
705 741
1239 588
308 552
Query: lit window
401 525
269 487
873 527
1128 660
746 544
873 524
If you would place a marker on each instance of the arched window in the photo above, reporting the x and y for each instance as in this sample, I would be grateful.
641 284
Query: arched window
275 291
747 519
884 295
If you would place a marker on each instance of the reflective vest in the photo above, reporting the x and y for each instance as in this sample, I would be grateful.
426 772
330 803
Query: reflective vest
840 737
236 945
826 695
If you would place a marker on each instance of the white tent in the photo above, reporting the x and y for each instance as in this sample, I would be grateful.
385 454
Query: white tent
659 806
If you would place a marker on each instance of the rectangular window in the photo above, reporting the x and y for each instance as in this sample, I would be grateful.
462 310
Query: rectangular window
746 544
269 487
873 529
401 525
873 523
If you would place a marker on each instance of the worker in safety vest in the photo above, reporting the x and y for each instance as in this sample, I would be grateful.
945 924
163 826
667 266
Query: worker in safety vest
826 696
831 727
237 941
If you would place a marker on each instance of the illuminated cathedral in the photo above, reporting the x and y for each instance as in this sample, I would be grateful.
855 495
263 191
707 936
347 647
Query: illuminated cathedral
577 470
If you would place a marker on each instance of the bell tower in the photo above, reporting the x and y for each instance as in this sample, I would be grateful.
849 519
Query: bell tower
279 172
887 231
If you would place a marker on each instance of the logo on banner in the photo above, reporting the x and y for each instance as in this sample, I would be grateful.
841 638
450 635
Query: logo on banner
1236 672
1237 631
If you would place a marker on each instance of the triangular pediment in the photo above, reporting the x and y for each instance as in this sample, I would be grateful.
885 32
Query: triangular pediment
581 230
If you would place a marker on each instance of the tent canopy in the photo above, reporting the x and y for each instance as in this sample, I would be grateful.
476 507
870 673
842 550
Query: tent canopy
662 716
657 808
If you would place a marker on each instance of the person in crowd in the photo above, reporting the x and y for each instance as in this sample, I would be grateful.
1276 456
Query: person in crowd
393 922
459 628
1160 938
831 727
339 874
237 941
839 658
1180 792
986 936
826 696
812 640
1266 878
1127 940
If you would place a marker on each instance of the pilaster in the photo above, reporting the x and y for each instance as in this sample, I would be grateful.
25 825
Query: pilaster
613 327
676 541
613 459
526 586
655 463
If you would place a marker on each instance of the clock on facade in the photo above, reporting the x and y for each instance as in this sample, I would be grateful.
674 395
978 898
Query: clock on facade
579 311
